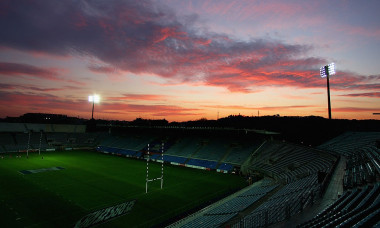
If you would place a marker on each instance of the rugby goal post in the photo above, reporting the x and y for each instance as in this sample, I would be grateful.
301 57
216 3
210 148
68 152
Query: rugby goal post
39 148
29 147
147 180
27 150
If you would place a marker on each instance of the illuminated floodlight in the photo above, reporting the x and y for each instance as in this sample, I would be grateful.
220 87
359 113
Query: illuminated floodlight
94 99
325 72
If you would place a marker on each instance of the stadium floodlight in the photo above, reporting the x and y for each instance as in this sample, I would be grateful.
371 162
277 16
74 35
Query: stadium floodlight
94 99
325 72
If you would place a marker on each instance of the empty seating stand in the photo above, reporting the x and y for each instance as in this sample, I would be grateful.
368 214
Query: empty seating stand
223 212
353 207
288 201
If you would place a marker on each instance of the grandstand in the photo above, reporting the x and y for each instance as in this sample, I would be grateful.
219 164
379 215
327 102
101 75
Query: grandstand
297 171
211 152
18 142
347 143
19 137
225 210
286 161
289 179
359 204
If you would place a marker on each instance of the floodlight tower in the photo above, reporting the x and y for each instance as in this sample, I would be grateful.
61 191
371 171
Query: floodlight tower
94 99
325 72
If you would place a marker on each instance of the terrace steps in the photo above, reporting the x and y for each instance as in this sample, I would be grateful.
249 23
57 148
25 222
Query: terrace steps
225 156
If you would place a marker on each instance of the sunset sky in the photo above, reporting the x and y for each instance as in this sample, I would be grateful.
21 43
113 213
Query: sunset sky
189 59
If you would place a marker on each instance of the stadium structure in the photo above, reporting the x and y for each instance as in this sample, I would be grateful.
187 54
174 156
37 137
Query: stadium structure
285 184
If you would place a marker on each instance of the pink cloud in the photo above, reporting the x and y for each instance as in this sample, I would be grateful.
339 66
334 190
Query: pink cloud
359 31
139 97
102 69
266 108
149 110
18 69
36 102
32 102
135 37
144 38
166 32
34 88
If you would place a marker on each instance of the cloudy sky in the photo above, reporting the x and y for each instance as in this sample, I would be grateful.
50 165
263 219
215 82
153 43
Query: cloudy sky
189 59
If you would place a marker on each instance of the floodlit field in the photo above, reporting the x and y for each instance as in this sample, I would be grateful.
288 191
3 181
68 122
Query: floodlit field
90 181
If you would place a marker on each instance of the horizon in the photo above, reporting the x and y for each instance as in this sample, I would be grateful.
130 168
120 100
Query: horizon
188 60
192 120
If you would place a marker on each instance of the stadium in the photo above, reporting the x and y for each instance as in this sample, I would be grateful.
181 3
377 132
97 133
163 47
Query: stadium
189 113
64 175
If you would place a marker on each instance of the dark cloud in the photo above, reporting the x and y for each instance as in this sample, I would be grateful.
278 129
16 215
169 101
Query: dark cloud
7 68
142 37
34 88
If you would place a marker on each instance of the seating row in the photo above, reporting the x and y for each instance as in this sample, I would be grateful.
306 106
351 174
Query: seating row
220 214
357 206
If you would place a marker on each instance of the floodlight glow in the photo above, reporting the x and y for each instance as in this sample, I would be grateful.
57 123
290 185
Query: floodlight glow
328 69
94 98
331 67
322 72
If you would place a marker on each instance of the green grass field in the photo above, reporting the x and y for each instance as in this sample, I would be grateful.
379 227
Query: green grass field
91 181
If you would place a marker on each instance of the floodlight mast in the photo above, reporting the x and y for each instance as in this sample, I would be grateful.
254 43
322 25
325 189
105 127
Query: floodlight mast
92 113
94 99
328 90
325 72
